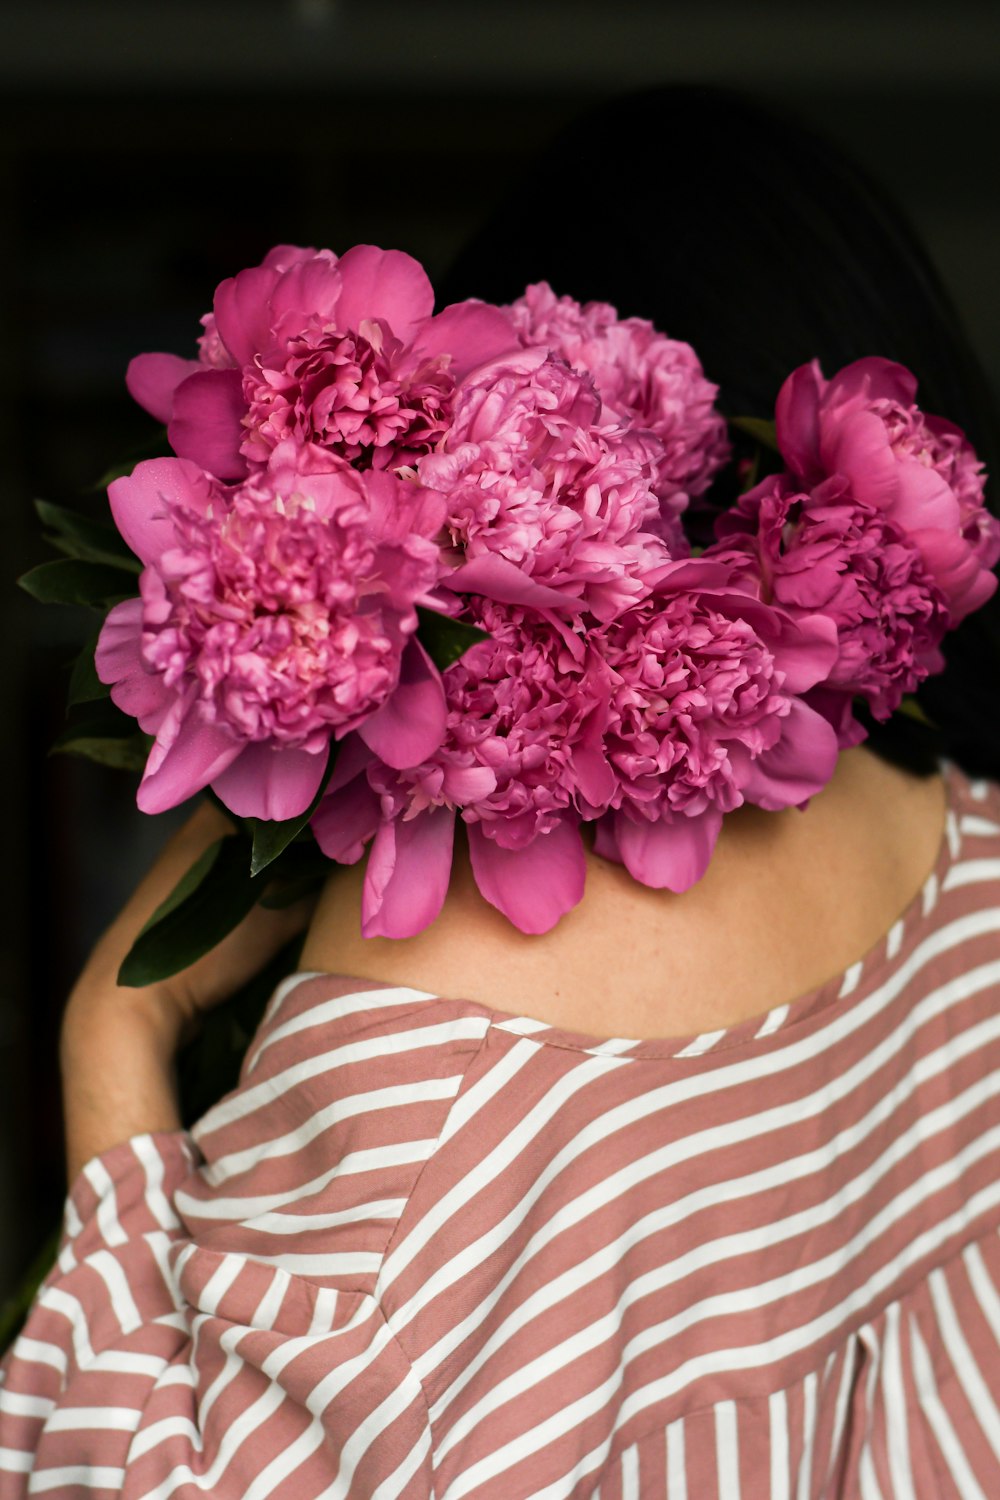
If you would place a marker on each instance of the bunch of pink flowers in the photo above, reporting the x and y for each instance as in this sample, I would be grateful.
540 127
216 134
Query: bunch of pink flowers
350 464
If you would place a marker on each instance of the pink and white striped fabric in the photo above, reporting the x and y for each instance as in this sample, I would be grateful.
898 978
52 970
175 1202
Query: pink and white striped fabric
431 1249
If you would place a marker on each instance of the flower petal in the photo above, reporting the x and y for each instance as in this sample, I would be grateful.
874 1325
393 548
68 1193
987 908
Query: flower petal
796 416
152 380
872 379
206 425
117 651
273 782
188 754
346 819
501 580
407 876
470 332
387 284
796 767
242 310
410 725
534 886
670 855
141 502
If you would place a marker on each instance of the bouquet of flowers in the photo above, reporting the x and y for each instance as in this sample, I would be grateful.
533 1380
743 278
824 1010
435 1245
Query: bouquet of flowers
405 567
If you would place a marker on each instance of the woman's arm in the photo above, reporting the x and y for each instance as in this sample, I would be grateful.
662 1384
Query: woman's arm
117 1044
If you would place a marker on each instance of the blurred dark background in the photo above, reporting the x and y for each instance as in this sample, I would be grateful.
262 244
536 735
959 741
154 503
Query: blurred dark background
149 149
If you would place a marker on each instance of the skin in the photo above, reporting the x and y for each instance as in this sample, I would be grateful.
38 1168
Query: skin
789 900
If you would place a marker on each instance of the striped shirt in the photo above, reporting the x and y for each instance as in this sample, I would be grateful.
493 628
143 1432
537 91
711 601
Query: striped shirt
428 1248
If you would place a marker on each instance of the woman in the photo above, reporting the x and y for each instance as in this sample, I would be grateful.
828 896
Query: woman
694 1194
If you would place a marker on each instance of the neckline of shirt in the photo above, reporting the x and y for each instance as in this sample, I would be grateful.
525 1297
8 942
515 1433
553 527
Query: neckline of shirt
859 976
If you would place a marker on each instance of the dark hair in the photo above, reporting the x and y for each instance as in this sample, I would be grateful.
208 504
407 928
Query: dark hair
738 229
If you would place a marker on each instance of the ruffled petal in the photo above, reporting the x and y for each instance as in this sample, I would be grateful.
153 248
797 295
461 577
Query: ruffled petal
410 725
470 332
346 819
242 310
273 782
796 767
956 570
796 415
206 425
670 855
141 503
387 284
187 756
535 886
152 380
407 875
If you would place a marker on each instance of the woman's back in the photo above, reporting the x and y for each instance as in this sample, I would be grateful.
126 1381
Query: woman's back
789 899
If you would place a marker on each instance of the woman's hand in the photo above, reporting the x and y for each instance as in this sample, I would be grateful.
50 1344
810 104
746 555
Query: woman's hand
118 1044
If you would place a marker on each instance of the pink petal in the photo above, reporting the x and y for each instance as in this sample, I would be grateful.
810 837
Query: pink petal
807 650
858 447
188 754
353 757
465 784
206 426
141 503
594 774
410 725
956 570
309 288
117 651
795 768
796 415
271 782
471 332
407 876
535 886
387 284
671 855
501 580
242 310
143 696
346 819
152 379
870 379
923 499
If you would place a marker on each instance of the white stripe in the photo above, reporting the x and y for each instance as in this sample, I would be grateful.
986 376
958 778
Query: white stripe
269 1305
94 1419
59 1301
805 1485
866 1465
238 1105
92 1476
630 1474
940 1423
219 1282
153 1169
727 1449
986 1292
972 872
357 1213
676 1462
20 1405
291 1142
953 834
124 1362
849 983
325 1310
373 1159
99 1178
324 1011
977 827
894 939
601 1263
703 1043
740 1301
158 1432
72 1223
15 1461
781 1456
844 1392
897 1437
773 1020
929 894
967 1373
119 1293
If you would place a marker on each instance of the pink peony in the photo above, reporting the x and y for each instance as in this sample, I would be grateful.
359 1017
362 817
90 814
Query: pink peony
704 715
533 480
919 470
644 378
523 760
825 551
344 354
272 616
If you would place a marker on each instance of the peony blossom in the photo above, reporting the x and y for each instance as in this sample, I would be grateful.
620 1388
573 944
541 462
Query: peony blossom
272 617
341 353
653 383
825 551
706 713
919 470
533 479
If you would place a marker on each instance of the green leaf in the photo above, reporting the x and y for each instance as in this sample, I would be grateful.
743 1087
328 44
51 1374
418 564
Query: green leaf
84 684
83 537
444 639
129 753
218 902
271 836
759 428
911 707
74 581
187 884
